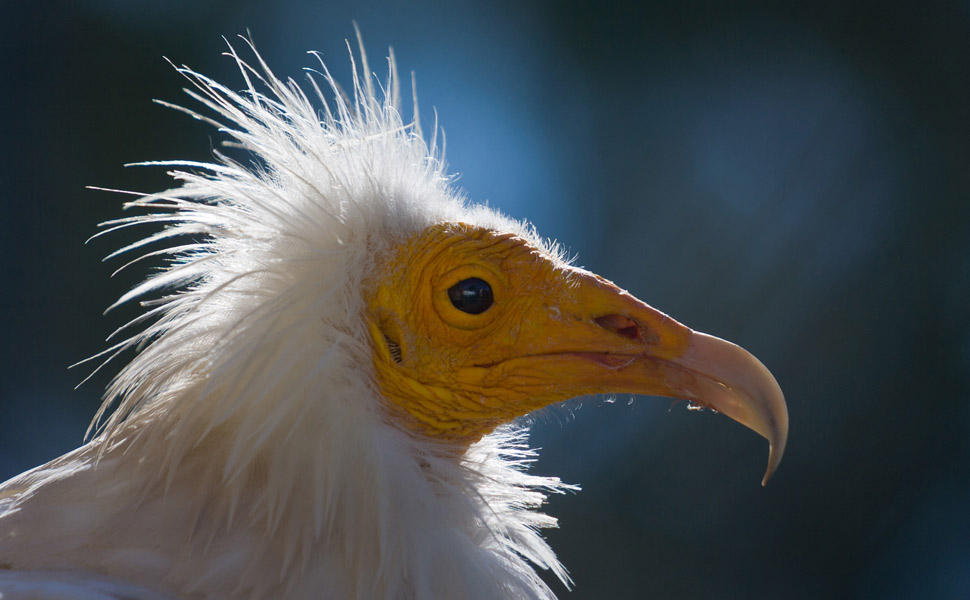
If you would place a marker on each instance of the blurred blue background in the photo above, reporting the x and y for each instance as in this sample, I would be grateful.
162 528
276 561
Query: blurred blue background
793 177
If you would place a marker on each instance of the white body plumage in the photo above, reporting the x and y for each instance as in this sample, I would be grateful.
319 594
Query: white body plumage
249 456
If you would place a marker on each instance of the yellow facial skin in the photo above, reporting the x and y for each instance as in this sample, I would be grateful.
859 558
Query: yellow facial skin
552 332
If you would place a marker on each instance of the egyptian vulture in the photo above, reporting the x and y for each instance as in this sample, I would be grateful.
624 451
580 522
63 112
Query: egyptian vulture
331 372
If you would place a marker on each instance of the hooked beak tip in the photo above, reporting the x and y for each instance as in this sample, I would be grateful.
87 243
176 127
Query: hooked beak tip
743 389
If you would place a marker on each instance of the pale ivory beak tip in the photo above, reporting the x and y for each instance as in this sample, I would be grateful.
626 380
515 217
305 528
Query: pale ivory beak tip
735 383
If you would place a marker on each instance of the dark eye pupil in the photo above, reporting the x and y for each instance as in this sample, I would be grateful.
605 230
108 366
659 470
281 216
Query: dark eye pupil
472 296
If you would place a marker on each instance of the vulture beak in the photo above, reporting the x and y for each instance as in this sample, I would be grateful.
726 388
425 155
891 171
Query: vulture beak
604 340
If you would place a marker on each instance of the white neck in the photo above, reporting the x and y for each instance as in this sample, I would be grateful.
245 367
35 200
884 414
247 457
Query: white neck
353 509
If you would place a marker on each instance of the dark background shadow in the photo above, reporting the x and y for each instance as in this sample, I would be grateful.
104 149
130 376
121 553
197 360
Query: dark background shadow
793 177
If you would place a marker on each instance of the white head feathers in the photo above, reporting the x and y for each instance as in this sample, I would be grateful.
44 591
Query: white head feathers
252 395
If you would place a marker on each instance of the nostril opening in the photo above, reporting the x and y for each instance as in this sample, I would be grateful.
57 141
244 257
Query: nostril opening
620 325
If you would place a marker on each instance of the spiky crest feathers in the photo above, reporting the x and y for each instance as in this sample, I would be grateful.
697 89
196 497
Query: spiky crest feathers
250 376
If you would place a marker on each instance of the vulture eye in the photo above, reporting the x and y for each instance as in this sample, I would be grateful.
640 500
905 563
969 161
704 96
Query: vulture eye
472 295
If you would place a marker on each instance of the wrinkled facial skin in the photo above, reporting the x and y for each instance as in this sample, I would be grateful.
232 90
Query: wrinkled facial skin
551 332
450 381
